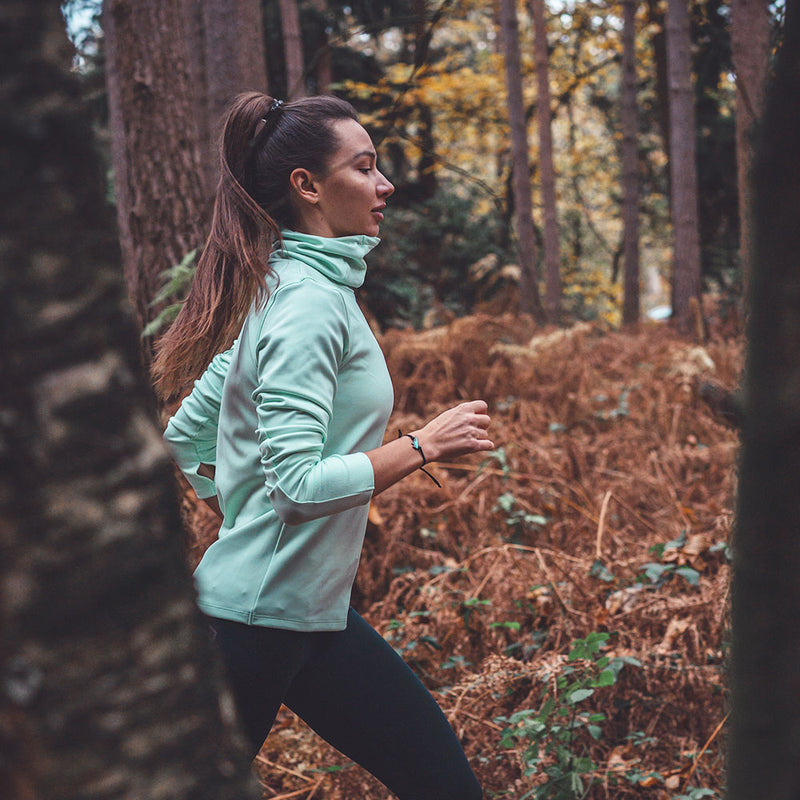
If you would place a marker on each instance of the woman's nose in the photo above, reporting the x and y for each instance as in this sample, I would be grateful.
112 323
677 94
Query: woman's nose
385 186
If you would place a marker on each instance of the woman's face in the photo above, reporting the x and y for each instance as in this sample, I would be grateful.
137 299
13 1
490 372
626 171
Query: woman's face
352 193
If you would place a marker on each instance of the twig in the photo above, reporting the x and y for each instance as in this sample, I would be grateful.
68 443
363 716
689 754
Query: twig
598 550
282 769
703 750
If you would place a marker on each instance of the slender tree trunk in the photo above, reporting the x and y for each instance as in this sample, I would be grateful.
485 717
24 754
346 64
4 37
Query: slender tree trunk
552 255
158 172
630 166
526 235
764 746
323 66
426 174
108 688
750 51
293 49
657 23
683 168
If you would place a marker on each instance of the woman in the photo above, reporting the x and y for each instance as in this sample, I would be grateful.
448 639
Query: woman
282 436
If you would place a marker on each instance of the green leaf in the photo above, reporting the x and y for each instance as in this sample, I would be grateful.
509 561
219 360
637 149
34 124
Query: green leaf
605 678
691 575
579 695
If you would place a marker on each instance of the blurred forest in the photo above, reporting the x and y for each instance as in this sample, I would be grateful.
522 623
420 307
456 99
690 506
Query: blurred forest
572 237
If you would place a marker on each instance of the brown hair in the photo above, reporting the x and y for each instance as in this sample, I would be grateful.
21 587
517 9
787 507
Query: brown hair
262 143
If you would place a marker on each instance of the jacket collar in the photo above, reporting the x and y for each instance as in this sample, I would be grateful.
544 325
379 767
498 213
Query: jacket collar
339 259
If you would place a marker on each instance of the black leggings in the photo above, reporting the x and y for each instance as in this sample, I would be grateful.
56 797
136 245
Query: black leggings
354 690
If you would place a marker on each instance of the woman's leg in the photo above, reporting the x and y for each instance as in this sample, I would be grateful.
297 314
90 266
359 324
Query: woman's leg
260 664
360 696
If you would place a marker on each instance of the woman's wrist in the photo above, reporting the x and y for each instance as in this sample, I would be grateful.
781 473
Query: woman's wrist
419 446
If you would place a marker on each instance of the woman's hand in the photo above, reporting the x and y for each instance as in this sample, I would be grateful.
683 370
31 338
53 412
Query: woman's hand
456 432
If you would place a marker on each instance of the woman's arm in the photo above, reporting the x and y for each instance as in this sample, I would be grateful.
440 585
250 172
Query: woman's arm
191 433
455 432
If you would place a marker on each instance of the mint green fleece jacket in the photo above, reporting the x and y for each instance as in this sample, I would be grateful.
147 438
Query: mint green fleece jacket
286 416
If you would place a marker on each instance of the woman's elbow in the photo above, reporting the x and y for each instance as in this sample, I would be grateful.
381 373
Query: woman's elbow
291 511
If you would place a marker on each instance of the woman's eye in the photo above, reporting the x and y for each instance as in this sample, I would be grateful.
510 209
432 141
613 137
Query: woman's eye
365 170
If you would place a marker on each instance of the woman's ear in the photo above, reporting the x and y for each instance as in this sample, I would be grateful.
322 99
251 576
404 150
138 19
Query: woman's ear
301 181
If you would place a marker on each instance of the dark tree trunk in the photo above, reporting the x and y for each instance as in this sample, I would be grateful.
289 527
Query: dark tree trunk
235 59
158 173
530 302
658 38
293 49
683 168
552 255
323 64
630 166
765 690
109 690
426 174
750 51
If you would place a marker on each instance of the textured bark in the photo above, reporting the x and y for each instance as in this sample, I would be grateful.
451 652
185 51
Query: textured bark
107 687
552 255
683 168
235 60
158 173
750 51
630 166
323 65
226 55
530 302
293 49
764 743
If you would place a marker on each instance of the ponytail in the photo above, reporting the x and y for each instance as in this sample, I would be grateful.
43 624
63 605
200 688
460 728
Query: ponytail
263 141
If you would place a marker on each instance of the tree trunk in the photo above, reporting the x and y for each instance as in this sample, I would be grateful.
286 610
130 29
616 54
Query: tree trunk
530 302
630 166
683 168
656 21
109 690
235 59
750 51
323 65
293 49
158 174
764 748
552 255
426 173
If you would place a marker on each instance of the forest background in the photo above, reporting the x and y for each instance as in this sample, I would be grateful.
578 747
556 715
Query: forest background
561 169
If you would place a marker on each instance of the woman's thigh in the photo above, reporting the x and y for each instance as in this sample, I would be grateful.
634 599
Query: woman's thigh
260 664
360 696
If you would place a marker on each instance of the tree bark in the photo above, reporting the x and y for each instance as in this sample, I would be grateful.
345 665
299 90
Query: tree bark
764 746
630 166
323 64
657 22
750 51
158 172
235 59
293 49
552 254
523 208
683 168
108 688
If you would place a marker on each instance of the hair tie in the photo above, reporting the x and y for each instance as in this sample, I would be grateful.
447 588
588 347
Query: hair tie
261 125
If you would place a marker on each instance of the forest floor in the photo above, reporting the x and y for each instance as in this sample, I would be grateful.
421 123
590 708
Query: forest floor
604 516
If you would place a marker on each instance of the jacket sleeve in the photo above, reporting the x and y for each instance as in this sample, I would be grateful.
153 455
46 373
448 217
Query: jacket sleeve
302 344
191 433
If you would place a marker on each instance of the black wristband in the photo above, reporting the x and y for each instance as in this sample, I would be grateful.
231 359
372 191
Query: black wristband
418 447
